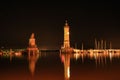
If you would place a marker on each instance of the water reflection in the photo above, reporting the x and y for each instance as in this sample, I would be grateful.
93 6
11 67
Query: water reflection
68 60
65 58
11 54
17 54
99 58
32 58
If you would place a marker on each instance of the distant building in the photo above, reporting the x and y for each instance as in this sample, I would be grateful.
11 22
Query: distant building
32 48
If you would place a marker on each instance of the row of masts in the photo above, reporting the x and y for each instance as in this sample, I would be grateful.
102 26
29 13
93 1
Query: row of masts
102 44
99 44
76 46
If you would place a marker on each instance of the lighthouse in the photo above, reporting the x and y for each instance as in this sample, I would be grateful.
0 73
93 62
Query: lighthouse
66 36
66 44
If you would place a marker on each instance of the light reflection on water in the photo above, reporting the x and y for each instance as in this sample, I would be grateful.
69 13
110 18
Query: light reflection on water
48 66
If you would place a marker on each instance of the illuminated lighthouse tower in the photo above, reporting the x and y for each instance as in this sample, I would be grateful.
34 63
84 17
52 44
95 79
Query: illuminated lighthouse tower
66 45
66 36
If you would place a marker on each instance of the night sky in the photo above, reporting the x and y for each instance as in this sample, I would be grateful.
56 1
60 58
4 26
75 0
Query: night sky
87 21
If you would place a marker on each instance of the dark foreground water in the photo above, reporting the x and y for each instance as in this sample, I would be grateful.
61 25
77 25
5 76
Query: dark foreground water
58 66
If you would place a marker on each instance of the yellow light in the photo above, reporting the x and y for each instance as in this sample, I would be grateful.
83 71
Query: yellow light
68 33
68 72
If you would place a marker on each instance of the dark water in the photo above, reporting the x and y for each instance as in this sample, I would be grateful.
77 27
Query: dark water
59 66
